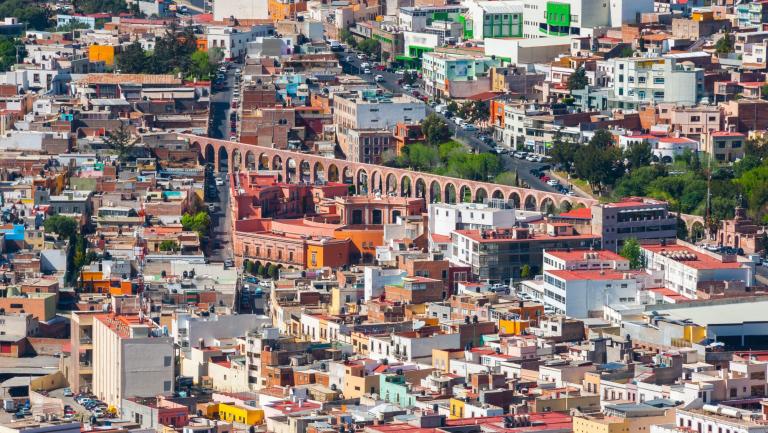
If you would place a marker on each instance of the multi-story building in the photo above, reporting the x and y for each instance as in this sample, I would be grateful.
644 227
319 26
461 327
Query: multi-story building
640 81
583 293
369 110
131 357
694 272
233 41
369 146
725 146
498 255
494 19
456 75
542 18
417 19
81 362
639 218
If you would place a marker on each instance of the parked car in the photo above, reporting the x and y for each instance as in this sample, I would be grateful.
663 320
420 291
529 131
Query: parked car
68 392
379 78
553 182
468 127
399 72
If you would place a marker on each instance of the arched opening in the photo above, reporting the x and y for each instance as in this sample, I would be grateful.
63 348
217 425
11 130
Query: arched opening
319 173
290 170
376 186
250 161
465 194
223 160
362 182
450 193
277 163
209 155
305 173
405 187
565 206
514 198
264 162
349 176
391 184
434 192
548 206
697 231
481 195
237 160
333 173
530 202
666 159
421 188
498 195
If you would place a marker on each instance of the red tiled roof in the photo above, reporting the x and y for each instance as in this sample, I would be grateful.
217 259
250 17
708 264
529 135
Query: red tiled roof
727 134
580 213
701 261
590 274
578 255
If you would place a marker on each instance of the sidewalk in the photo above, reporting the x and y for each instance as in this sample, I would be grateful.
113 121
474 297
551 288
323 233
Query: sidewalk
565 181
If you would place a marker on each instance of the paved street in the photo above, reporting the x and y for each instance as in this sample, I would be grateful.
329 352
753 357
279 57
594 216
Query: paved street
522 167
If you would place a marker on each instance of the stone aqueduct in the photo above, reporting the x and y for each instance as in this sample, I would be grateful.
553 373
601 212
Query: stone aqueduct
296 167
301 167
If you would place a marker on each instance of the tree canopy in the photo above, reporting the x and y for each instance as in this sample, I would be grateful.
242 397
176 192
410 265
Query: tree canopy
8 52
435 129
578 79
62 225
35 16
200 223
631 251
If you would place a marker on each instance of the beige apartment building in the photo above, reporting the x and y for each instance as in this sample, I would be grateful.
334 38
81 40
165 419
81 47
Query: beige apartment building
131 358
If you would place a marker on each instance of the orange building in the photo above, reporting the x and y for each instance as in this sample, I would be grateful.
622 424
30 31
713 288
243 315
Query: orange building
280 10
95 282
202 44
105 53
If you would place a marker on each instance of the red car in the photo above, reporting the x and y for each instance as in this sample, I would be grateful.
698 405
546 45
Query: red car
544 178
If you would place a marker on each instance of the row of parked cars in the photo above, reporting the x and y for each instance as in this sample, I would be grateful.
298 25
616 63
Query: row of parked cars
98 408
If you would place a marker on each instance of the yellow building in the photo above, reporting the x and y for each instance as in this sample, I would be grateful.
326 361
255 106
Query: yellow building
441 358
512 327
240 414
457 409
105 53
624 418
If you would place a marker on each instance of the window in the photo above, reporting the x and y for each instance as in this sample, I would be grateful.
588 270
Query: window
167 385
658 80
167 361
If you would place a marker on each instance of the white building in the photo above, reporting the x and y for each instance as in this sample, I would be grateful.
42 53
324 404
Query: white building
495 19
375 278
191 329
685 269
714 418
233 41
582 260
367 110
543 18
240 9
445 217
131 358
578 293
641 80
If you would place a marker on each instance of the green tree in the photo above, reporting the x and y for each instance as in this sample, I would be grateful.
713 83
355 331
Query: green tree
578 79
121 141
724 45
371 47
133 59
631 251
200 223
525 272
422 157
261 270
638 154
112 7
764 91
200 66
435 129
272 271
346 36
599 166
563 152
64 226
626 51
10 50
248 266
507 178
169 245
32 13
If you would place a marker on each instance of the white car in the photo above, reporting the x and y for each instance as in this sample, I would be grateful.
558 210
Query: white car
365 65
366 71
399 72
219 182
360 56
406 87
553 182
458 120
379 78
